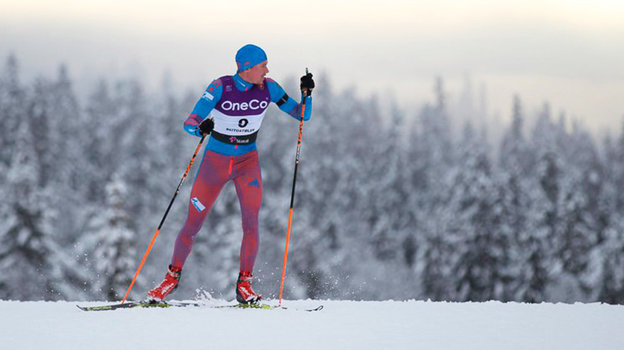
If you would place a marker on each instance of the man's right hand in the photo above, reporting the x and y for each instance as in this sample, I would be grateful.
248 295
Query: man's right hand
206 126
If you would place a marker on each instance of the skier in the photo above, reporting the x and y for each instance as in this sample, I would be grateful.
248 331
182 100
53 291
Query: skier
236 105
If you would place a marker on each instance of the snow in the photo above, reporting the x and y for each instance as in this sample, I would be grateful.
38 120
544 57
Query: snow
340 325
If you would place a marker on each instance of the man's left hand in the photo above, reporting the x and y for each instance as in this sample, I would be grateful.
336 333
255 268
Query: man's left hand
307 84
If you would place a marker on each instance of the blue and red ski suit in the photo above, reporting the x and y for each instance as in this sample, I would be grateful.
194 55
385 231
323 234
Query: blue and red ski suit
237 108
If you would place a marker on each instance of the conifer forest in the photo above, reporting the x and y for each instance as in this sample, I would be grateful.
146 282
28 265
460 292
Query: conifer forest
390 203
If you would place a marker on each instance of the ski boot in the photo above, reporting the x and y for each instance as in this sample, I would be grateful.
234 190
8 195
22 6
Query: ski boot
244 293
172 278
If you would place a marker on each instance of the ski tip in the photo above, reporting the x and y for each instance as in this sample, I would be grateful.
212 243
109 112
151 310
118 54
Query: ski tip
255 306
108 307
93 308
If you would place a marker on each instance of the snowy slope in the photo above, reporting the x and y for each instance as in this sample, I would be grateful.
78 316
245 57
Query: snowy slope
340 325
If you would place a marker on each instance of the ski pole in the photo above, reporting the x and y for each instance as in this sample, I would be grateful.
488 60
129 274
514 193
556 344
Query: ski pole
149 248
292 195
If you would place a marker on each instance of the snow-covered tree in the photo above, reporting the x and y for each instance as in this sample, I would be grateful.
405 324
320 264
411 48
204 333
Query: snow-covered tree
12 109
34 266
112 243
611 264
100 113
606 265
519 191
388 204
481 246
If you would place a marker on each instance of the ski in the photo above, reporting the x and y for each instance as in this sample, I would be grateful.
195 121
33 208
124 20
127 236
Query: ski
264 306
132 304
318 308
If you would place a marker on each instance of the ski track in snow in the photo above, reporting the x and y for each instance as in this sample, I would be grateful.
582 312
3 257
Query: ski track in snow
340 325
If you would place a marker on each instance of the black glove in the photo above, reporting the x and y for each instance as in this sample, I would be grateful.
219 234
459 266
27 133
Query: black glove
206 126
307 84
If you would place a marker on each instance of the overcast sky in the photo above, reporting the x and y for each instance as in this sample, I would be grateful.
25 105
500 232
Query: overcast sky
569 52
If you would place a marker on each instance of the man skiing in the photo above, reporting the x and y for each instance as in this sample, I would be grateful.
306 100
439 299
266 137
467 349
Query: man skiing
237 105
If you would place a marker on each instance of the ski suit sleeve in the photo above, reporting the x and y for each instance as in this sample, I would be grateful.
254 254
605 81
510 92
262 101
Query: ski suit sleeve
288 104
203 107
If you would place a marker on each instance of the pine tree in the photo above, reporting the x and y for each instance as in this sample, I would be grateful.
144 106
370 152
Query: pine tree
439 258
26 240
580 229
436 145
606 264
12 101
611 270
482 249
113 243
65 167
432 159
517 185
135 145
388 192
100 114
544 213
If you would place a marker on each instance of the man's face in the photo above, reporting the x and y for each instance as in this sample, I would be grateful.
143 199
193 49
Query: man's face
256 74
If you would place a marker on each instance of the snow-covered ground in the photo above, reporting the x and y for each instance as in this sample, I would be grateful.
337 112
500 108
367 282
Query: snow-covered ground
340 325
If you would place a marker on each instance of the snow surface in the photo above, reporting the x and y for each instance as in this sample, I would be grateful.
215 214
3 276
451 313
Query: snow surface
340 325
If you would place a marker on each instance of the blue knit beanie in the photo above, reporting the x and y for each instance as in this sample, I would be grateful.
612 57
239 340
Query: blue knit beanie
249 56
